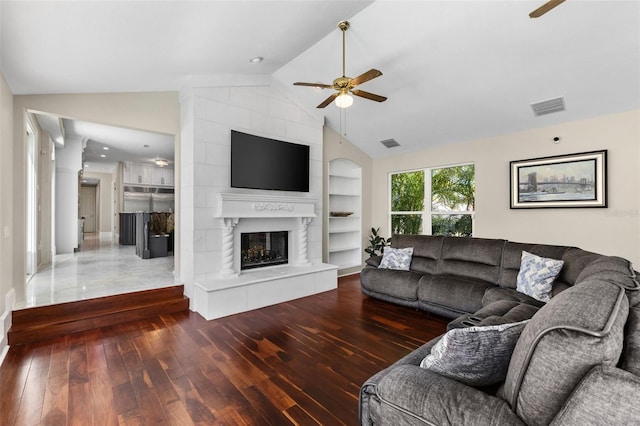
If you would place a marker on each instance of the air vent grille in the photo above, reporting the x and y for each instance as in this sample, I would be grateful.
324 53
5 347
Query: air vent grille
548 106
390 143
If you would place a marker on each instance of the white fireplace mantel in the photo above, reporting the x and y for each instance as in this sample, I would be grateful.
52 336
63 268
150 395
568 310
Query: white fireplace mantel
232 205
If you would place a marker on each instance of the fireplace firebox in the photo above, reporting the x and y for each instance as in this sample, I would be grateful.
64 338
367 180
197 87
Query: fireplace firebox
261 249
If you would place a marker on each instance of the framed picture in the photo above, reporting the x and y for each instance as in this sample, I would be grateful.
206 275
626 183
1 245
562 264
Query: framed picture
574 180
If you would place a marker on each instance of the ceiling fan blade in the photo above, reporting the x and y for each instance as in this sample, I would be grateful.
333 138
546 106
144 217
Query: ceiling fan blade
370 96
545 8
320 85
362 78
328 100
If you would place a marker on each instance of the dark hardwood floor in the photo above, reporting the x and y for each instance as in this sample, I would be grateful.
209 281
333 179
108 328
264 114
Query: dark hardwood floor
300 362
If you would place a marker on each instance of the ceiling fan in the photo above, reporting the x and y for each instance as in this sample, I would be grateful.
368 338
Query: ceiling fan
345 85
545 8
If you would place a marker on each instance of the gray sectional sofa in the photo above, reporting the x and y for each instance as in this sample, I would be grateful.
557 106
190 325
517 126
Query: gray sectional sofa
577 361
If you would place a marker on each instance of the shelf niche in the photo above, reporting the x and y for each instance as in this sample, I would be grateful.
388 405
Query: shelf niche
345 231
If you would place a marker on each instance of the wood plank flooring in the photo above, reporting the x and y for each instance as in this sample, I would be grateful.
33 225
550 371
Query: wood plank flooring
34 324
300 362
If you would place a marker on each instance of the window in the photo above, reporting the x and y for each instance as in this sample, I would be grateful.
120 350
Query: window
440 205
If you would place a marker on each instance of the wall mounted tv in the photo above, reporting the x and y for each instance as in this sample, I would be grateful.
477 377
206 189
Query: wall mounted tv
263 163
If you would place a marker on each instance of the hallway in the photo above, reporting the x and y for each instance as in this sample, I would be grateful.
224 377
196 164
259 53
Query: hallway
100 268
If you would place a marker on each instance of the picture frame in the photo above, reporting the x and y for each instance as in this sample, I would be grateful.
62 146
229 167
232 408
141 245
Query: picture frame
572 180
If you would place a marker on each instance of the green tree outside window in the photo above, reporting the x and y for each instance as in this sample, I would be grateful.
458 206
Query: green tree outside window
407 196
452 201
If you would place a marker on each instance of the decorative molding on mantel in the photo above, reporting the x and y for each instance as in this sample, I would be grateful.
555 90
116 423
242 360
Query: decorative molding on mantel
233 205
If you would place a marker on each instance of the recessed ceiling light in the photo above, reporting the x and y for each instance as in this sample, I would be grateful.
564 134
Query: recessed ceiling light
106 148
256 60
102 155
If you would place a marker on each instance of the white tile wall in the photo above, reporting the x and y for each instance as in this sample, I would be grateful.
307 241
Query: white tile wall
209 114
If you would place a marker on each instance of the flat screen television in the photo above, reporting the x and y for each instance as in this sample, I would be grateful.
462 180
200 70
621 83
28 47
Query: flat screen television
263 163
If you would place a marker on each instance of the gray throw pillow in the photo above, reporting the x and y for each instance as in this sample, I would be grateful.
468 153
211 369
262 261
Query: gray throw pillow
536 276
475 356
394 258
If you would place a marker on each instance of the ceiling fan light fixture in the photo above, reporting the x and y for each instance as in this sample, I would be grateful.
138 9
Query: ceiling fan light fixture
344 100
160 162
344 85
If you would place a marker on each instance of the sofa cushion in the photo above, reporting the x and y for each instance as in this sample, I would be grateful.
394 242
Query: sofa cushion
575 261
399 259
496 313
462 294
373 261
512 258
580 328
631 351
476 356
500 293
472 257
410 395
536 275
426 250
398 284
606 396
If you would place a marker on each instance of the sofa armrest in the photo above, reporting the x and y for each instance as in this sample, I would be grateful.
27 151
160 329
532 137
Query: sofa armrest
606 395
408 394
374 261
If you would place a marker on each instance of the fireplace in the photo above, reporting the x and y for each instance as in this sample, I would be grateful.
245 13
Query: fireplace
261 249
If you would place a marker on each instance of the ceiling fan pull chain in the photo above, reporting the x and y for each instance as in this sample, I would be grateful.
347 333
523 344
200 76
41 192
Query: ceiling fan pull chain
345 122
340 115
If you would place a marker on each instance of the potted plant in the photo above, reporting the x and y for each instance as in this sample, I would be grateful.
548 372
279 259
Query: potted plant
376 243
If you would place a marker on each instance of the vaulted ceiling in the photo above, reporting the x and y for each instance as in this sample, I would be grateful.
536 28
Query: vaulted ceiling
452 70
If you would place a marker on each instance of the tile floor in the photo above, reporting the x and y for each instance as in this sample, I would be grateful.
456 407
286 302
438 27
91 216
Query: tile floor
100 268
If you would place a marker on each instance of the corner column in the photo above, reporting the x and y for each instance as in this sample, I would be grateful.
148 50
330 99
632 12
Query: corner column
303 223
227 247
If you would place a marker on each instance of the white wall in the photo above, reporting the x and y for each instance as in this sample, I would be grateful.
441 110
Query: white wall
612 231
208 116
46 167
7 293
68 164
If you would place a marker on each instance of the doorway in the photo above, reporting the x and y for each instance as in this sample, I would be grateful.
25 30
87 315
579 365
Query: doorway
88 209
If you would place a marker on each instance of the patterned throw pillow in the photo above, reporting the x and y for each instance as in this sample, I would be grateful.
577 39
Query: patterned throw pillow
536 276
394 258
476 356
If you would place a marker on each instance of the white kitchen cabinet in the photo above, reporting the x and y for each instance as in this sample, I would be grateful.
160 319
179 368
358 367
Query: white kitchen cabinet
147 174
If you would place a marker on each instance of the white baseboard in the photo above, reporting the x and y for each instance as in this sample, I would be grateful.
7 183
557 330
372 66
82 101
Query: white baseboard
5 323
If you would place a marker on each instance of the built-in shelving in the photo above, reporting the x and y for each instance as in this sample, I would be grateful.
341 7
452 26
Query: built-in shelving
345 195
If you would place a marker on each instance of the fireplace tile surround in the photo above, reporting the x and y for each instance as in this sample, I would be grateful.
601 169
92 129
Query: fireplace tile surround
235 290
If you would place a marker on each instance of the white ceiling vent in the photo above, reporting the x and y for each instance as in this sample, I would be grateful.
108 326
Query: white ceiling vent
390 143
548 106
